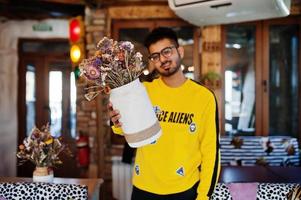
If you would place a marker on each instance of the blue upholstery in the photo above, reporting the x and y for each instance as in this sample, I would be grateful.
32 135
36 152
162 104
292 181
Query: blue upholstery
256 150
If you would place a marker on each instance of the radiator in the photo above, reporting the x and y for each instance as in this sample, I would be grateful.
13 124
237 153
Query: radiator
121 179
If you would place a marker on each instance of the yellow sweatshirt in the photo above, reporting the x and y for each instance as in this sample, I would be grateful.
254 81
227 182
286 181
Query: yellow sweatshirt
188 150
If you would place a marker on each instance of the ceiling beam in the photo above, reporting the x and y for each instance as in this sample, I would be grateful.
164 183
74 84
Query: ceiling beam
73 2
107 3
34 9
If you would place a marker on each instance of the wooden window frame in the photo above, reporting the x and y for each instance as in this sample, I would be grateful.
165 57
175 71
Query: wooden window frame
266 24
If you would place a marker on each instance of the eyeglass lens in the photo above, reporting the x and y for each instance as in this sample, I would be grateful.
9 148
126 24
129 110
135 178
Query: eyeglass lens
166 52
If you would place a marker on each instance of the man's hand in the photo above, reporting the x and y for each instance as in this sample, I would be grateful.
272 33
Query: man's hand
114 115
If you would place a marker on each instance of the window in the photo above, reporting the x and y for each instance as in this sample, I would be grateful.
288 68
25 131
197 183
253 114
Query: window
262 76
240 80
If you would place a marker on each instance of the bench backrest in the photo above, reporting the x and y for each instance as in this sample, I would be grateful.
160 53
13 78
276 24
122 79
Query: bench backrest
256 150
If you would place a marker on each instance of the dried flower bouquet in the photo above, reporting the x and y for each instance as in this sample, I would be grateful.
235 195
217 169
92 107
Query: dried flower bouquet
41 148
113 65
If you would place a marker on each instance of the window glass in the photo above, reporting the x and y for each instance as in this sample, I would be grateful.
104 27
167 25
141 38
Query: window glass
240 80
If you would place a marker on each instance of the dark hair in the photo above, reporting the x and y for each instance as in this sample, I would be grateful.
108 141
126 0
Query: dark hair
159 34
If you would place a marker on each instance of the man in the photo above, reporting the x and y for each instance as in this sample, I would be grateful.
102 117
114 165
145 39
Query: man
183 164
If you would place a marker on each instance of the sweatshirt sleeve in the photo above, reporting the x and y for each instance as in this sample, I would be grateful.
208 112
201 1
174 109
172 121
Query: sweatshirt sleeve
117 130
209 147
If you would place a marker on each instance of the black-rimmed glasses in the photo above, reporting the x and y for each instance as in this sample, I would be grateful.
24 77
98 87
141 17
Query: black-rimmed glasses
166 52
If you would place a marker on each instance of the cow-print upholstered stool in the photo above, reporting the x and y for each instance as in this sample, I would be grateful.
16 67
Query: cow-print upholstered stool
39 191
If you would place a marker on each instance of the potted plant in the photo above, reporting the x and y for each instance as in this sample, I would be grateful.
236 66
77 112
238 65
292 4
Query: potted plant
43 150
211 79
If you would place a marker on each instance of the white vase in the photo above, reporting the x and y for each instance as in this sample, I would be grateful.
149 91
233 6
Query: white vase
42 174
139 122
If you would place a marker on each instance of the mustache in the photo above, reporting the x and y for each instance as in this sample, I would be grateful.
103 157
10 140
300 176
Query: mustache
163 63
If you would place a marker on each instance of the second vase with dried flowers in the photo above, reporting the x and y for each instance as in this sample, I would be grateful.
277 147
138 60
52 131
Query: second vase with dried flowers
43 174
42 149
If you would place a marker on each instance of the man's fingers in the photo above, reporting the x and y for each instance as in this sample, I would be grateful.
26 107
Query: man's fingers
115 120
110 106
114 115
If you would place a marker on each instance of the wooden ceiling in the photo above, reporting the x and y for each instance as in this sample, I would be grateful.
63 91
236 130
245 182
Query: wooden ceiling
41 9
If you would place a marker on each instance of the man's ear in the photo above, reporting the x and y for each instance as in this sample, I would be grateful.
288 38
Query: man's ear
181 51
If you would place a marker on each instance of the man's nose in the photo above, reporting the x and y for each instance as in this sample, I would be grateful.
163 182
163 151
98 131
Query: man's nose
162 58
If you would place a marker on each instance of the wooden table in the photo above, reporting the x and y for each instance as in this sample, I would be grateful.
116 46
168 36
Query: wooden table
94 184
268 174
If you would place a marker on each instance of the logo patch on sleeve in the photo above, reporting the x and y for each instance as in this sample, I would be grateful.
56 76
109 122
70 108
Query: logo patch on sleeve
157 109
137 170
192 127
154 142
180 171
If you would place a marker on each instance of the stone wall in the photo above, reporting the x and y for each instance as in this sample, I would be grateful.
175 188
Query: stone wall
91 115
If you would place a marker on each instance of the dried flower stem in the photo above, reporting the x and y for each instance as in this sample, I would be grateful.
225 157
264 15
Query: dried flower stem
127 64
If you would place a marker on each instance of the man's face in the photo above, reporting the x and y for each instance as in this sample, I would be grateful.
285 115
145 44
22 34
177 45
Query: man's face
166 57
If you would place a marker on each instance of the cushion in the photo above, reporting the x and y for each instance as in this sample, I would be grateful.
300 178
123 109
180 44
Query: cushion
249 191
265 191
295 193
275 191
221 192
31 191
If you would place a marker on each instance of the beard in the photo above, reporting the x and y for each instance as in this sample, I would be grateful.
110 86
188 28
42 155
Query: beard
171 70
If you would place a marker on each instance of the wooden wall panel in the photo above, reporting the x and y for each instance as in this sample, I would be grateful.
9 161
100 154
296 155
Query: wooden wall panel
211 57
211 49
141 12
